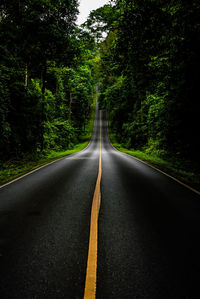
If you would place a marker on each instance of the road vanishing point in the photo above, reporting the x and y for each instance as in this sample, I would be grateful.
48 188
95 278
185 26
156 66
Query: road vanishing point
99 224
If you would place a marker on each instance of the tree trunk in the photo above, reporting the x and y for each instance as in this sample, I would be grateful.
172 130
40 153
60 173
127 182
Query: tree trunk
44 73
57 86
43 78
70 107
141 114
26 75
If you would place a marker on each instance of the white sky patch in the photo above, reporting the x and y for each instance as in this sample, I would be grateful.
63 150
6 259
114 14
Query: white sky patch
86 6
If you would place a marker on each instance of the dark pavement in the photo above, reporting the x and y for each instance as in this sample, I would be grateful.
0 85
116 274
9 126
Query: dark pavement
149 229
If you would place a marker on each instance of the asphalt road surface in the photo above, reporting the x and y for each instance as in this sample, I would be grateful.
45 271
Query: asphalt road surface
148 234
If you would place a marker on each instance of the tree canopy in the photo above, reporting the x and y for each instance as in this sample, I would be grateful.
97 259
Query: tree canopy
45 80
148 74
146 69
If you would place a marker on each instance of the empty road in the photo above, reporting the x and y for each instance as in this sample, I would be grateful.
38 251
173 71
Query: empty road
147 234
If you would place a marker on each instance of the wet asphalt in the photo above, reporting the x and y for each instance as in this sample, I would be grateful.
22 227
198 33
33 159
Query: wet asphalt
149 229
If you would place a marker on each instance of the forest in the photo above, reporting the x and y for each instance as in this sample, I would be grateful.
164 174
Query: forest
46 84
148 74
143 55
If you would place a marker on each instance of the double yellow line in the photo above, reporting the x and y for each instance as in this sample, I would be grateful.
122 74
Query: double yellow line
91 272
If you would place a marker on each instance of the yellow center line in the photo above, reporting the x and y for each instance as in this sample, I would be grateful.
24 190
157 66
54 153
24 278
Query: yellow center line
91 272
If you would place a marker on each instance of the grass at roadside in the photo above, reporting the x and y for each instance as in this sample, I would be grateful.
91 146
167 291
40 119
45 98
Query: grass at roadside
191 178
12 169
15 168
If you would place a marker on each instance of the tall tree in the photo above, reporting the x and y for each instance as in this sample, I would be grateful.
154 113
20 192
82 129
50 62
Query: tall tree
32 33
151 85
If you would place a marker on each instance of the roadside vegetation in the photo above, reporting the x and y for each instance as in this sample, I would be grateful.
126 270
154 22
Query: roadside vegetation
179 169
147 73
146 69
47 88
13 168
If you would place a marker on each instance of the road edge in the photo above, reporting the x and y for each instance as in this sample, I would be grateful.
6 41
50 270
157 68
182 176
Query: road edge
157 169
40 167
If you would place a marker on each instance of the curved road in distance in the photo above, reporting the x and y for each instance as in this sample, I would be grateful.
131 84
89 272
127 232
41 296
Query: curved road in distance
149 227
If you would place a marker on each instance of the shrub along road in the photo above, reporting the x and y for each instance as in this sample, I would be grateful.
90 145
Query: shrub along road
148 231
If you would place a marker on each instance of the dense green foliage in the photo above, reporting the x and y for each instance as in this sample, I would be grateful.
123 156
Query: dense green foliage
148 75
16 167
146 69
46 84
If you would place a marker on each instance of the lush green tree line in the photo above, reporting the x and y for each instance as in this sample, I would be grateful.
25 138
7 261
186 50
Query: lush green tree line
148 74
46 84
147 71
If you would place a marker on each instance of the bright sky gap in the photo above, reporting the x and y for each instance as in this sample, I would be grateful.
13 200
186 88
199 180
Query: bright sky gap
86 6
